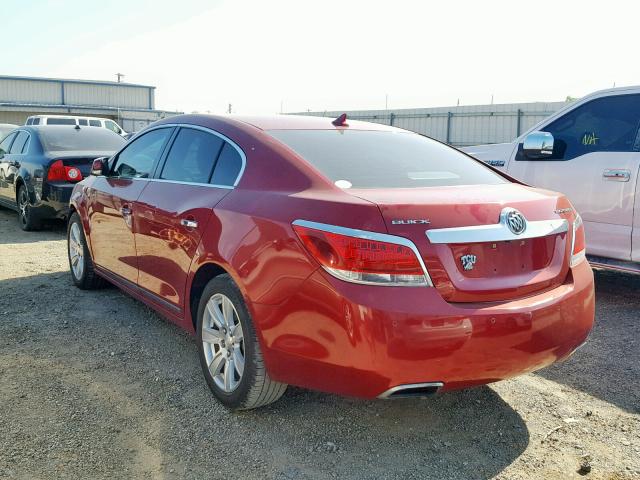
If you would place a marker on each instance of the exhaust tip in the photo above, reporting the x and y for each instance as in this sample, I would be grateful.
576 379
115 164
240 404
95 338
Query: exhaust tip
412 390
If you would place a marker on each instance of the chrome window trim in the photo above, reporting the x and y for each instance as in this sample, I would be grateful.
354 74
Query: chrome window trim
243 157
368 235
197 184
387 393
498 232
162 180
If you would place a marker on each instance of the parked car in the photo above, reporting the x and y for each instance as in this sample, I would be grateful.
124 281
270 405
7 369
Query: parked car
352 258
76 120
40 165
589 150
6 129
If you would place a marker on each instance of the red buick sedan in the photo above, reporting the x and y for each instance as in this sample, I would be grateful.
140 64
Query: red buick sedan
341 256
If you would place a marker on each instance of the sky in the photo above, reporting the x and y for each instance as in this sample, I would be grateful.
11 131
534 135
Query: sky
263 57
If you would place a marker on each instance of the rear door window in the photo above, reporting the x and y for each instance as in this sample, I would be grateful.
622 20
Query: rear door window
19 143
385 159
137 160
192 156
83 122
228 167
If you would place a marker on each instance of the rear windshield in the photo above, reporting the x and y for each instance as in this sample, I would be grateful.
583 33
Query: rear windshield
73 139
385 159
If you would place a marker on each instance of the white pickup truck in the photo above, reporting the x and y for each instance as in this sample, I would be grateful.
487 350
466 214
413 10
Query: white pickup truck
590 151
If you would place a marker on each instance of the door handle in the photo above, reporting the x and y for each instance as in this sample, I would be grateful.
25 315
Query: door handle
189 223
616 175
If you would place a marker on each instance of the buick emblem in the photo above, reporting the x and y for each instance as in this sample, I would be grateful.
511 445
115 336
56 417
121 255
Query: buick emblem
514 220
468 261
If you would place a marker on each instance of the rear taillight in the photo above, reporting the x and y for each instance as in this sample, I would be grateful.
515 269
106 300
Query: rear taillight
59 172
578 244
363 257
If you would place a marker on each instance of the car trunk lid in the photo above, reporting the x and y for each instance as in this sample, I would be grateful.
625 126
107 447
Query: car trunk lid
463 236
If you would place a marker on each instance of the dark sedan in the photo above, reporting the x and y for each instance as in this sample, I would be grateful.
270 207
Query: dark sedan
40 164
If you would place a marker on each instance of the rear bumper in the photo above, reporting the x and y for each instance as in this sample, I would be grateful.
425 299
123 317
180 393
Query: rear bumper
54 202
363 341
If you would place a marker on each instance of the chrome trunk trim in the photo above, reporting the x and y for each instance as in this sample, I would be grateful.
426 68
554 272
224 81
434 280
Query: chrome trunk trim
498 232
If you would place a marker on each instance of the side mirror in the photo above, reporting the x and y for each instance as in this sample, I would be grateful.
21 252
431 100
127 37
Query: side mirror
538 145
99 166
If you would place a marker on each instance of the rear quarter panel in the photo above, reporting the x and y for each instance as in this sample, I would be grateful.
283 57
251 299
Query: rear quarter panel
251 237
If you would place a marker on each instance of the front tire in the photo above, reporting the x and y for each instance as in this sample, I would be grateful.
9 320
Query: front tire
80 262
25 214
229 350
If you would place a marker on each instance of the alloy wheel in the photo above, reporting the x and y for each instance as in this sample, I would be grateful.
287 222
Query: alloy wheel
76 251
223 342
23 206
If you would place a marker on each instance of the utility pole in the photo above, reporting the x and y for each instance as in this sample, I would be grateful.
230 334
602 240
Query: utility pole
386 101
229 109
119 75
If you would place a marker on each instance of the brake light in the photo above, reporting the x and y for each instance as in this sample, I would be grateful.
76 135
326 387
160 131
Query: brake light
578 243
363 257
59 172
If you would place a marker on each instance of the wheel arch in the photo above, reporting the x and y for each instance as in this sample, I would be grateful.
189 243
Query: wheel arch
203 275
20 182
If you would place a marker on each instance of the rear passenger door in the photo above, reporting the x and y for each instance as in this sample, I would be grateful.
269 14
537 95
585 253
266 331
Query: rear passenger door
595 162
199 169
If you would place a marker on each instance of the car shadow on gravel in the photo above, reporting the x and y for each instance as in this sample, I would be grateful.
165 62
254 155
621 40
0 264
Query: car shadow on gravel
608 365
122 390
464 434
12 234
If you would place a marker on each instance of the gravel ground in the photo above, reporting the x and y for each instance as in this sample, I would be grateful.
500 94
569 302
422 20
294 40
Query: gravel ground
96 385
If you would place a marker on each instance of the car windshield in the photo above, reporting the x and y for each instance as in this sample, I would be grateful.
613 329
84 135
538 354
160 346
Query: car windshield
385 159
56 139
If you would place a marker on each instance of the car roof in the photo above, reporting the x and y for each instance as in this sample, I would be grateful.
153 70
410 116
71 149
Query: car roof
303 122
60 128
55 115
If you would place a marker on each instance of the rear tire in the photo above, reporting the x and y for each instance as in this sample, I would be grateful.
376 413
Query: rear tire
80 262
229 350
25 214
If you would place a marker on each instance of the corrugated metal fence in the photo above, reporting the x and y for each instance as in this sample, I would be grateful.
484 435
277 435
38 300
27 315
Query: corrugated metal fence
460 126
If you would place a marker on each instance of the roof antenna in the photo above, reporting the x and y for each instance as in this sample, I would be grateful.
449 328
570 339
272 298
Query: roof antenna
77 127
341 121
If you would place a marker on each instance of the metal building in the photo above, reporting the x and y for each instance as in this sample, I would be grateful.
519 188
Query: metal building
460 126
131 105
